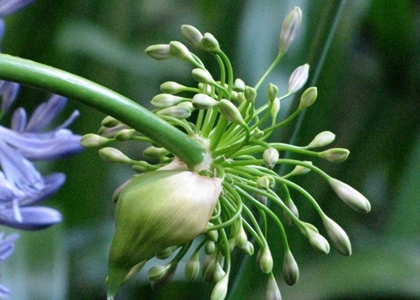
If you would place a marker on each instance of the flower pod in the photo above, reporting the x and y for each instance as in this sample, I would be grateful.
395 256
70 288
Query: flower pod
298 78
322 139
270 157
202 76
335 155
290 28
166 100
272 92
113 155
290 268
210 43
350 196
337 236
239 85
159 52
220 289
92 140
110 122
155 211
266 261
177 111
231 112
317 241
192 35
273 291
203 101
172 87
308 97
192 267
250 94
179 50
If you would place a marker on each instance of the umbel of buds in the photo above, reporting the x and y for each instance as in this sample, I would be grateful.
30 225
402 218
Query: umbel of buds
161 211
157 210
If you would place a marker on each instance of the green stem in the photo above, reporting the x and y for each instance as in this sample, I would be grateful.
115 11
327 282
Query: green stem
109 102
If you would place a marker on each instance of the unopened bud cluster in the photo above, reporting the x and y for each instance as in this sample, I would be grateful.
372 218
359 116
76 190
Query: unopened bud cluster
227 200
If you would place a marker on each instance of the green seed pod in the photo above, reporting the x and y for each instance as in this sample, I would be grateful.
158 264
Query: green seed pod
155 211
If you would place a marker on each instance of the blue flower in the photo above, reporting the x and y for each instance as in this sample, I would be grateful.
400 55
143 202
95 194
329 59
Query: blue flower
6 249
21 185
8 7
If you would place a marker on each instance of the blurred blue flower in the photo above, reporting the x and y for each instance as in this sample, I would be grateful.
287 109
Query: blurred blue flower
6 249
8 7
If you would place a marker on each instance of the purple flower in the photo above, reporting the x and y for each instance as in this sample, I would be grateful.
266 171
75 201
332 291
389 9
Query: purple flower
8 7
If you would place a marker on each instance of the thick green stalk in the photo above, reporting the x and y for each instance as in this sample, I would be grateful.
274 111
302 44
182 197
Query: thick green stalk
105 100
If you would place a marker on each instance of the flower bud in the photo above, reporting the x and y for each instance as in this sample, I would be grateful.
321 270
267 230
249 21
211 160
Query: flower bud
241 238
202 76
266 261
179 50
298 78
248 248
337 236
157 210
172 87
212 235
157 272
166 100
321 139
290 268
273 291
260 198
257 133
159 52
350 196
125 134
250 94
270 157
210 247
178 111
166 253
192 268
113 155
317 241
218 273
263 182
192 35
220 289
165 279
272 91
289 29
308 97
292 207
275 108
110 122
202 101
210 43
231 112
155 152
336 155
300 170
239 85
91 140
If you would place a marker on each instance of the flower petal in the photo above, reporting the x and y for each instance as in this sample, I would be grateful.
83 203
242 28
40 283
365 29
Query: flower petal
33 218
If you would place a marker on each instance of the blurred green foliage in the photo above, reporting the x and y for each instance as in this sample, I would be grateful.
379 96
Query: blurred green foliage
369 90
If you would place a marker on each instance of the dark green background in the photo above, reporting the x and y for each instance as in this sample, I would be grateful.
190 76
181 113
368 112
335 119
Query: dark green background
368 96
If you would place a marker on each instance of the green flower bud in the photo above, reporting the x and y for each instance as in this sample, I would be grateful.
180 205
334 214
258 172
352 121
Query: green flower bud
202 101
273 291
210 247
231 112
179 111
125 134
322 139
292 207
157 210
239 85
166 100
165 279
210 43
218 273
290 268
257 133
202 76
350 196
155 152
250 94
192 35
192 268
266 261
172 87
157 272
179 50
298 78
110 122
159 52
272 91
91 140
209 267
308 98
220 289
263 182
289 29
336 155
337 236
317 241
241 238
212 235
248 248
270 157
113 155
275 108
300 170
111 132
260 198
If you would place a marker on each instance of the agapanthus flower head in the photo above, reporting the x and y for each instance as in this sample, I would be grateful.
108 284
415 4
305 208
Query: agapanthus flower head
227 198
